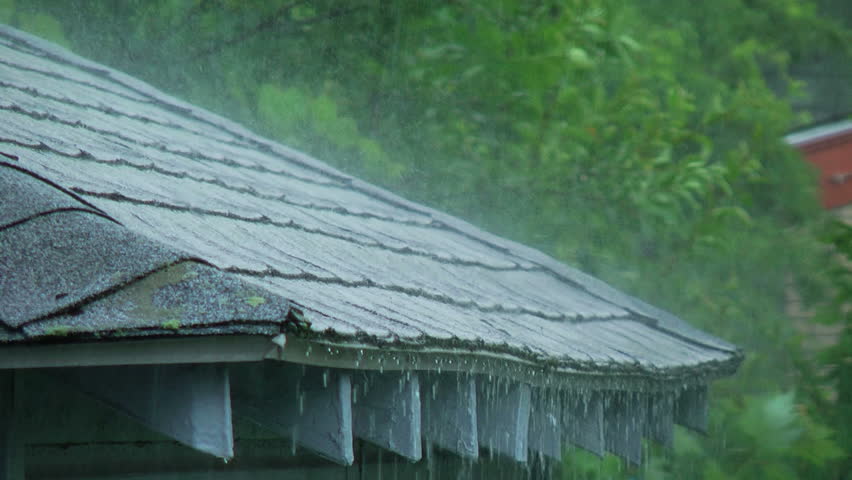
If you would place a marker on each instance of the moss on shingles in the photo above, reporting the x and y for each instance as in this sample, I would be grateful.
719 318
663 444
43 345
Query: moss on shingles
143 292
255 301
58 331
173 324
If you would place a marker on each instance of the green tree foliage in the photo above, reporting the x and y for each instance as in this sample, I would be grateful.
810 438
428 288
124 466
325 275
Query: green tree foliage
640 141
830 383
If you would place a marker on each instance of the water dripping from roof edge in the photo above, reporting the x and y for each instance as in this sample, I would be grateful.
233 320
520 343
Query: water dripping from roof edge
294 437
429 453
466 468
538 460
371 422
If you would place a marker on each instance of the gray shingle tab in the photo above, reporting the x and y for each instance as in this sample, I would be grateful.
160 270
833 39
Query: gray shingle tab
54 262
362 262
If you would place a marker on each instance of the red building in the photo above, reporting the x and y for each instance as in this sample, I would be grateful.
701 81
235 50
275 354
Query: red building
829 148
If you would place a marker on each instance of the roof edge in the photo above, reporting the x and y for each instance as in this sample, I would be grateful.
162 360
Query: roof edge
507 364
352 356
819 133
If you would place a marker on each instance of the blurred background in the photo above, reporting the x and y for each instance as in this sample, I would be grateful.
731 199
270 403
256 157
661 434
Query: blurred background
694 154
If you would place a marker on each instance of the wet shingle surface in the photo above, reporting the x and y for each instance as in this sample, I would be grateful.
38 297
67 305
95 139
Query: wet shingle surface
263 221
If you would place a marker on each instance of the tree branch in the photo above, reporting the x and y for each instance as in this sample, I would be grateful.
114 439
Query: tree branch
190 15
269 23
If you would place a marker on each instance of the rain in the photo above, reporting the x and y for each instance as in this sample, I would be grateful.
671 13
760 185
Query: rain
381 239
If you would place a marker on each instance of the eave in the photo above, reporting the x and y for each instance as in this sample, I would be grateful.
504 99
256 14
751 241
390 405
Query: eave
353 355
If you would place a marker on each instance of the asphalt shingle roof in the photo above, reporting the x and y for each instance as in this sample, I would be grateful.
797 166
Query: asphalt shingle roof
128 212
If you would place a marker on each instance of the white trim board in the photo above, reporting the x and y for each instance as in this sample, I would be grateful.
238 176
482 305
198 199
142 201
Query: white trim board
218 349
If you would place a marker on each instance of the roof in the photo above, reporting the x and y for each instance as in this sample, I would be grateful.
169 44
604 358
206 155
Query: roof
819 133
129 213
